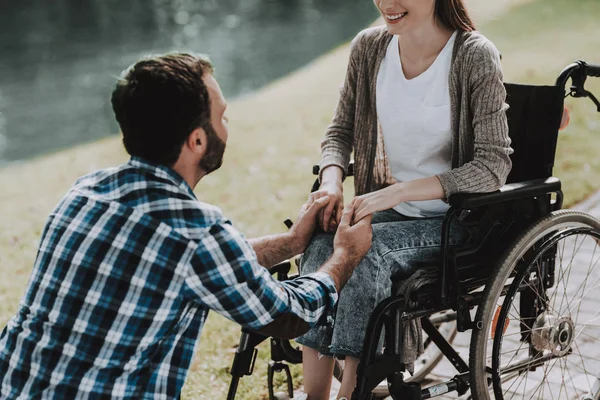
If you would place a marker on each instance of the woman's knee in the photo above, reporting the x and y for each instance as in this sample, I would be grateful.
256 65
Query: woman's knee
317 253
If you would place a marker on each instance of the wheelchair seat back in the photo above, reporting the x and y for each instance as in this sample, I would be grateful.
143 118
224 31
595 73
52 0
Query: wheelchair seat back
534 116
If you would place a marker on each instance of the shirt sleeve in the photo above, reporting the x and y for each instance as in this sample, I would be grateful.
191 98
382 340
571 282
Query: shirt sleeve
226 277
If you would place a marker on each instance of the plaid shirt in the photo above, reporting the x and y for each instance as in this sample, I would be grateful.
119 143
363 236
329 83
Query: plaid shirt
128 266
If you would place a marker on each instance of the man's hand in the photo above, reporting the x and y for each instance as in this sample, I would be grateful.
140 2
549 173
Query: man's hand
353 240
350 245
302 230
330 216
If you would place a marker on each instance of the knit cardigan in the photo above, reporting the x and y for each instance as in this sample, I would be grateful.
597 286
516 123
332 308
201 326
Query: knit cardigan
480 141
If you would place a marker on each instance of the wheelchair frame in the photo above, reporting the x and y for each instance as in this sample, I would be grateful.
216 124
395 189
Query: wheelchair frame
531 197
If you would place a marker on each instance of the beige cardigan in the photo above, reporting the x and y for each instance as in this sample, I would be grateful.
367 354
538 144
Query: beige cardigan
480 142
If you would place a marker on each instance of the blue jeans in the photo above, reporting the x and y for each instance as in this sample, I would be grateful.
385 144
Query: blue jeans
398 243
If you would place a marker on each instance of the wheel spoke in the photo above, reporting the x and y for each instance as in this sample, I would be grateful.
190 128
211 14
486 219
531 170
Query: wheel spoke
517 333
561 253
540 386
562 378
544 379
546 374
593 319
522 378
582 364
551 307
585 281
569 268
576 366
570 377
594 285
586 334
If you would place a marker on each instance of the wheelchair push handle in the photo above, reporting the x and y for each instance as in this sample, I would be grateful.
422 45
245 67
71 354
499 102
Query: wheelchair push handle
578 72
594 70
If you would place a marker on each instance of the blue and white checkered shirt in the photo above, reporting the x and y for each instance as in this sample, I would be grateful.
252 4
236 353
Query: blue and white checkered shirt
129 264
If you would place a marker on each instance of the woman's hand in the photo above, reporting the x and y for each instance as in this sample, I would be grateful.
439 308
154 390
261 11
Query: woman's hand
379 200
329 216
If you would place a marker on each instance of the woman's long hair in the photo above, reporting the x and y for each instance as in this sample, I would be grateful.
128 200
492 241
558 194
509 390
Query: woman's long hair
454 15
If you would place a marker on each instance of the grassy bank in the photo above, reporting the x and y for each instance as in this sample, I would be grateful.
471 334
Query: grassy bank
274 140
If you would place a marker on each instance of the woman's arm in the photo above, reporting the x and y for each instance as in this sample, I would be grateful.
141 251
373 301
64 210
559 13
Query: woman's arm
491 163
384 199
336 147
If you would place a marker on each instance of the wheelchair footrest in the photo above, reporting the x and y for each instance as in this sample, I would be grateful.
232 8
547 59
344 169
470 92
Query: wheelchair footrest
401 390
370 375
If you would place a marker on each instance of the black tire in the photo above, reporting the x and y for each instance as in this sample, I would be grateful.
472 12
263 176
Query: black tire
551 336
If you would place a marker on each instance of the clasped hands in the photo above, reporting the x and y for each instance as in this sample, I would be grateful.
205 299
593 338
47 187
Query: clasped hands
363 206
325 208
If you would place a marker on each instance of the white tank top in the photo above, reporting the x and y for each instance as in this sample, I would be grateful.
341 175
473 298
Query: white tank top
416 123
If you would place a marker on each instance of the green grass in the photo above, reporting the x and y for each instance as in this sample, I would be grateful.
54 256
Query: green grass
274 140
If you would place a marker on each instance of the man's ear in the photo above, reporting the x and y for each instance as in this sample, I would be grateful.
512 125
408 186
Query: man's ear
197 142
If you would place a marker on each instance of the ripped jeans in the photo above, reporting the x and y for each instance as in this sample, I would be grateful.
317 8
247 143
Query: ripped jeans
398 242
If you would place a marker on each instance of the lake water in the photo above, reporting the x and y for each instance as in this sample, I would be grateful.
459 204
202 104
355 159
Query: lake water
59 58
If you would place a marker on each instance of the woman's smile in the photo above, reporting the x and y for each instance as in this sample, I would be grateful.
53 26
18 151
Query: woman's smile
395 18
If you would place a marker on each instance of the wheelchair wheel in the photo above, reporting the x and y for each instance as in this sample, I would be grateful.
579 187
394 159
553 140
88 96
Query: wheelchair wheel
538 327
445 322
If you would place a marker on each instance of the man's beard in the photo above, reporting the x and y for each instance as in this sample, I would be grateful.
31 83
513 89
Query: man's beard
215 148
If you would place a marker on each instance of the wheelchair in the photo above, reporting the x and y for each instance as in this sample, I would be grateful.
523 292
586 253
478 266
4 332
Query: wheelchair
528 288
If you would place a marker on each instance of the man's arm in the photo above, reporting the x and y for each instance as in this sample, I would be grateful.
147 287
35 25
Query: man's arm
273 249
225 276
289 326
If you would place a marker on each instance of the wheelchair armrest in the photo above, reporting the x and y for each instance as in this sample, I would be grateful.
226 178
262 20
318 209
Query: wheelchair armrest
512 191
282 270
316 169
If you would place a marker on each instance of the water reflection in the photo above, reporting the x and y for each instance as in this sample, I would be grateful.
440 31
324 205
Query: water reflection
58 59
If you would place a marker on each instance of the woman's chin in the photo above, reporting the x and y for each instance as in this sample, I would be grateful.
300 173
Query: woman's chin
394 29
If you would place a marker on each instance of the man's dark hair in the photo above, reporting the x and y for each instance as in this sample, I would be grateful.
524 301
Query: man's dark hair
159 101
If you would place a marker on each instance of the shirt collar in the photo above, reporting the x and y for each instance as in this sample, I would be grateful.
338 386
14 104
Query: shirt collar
163 172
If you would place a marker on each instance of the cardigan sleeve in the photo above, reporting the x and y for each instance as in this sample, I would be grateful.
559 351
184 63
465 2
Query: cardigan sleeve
491 162
336 147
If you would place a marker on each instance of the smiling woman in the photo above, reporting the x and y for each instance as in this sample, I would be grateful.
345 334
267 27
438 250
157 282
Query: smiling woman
420 95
